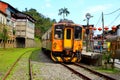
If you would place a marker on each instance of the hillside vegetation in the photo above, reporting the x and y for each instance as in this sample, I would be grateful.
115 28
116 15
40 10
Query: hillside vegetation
42 23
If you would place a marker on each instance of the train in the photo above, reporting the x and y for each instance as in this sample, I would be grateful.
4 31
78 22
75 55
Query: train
63 41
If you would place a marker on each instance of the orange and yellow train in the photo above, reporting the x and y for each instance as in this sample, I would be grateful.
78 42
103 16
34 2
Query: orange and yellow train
64 42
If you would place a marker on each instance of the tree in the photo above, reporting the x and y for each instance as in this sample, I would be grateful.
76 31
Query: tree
4 36
42 23
63 11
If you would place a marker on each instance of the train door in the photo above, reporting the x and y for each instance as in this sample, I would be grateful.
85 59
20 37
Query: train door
68 38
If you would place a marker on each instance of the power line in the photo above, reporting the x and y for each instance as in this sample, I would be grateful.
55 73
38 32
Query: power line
98 20
113 12
114 19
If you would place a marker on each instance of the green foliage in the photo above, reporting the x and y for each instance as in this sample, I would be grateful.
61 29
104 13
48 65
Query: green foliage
9 56
14 31
110 70
42 23
37 43
22 66
0 35
107 56
35 55
63 11
4 36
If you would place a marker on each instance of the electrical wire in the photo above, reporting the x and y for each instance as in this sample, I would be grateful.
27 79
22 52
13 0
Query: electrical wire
113 12
114 19
109 14
98 20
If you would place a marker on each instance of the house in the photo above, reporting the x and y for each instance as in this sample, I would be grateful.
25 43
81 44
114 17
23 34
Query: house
2 17
3 24
24 30
21 23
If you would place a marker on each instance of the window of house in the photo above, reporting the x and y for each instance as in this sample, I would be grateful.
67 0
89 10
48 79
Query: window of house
8 22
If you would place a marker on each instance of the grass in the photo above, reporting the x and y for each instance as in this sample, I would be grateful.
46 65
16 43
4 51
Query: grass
21 70
38 42
106 57
109 70
35 55
36 65
9 56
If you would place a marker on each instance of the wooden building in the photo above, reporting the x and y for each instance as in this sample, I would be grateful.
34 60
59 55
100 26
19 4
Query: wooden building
24 30
21 23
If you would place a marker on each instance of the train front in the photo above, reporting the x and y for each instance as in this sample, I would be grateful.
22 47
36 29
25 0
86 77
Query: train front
66 43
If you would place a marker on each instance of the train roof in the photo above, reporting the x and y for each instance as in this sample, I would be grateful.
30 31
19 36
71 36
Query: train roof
65 21
67 24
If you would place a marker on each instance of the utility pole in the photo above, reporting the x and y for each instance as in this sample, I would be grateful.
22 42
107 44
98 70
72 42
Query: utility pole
88 16
87 32
103 23
103 31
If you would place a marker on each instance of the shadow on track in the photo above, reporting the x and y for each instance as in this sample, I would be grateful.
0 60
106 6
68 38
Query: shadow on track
39 56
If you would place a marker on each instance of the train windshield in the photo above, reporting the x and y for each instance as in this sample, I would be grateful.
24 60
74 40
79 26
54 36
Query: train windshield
78 32
58 34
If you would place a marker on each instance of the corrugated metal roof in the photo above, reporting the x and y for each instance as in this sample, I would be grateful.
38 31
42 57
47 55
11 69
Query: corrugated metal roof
18 14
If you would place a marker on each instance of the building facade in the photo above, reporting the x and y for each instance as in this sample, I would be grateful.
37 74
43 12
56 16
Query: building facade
2 17
3 24
20 23
24 33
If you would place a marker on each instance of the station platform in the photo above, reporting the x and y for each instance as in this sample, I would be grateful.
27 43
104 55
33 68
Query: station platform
93 55
94 58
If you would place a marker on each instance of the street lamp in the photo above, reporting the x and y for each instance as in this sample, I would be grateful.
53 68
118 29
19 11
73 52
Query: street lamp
88 16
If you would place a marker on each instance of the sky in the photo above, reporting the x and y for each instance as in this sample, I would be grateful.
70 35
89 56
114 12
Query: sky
77 9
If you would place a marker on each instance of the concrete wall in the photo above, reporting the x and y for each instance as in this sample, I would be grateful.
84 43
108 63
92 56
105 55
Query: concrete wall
29 42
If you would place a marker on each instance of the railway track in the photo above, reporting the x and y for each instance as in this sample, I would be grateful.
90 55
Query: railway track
30 70
86 73
11 68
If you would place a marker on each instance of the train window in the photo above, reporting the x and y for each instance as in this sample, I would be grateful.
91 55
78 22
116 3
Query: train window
68 36
58 32
78 32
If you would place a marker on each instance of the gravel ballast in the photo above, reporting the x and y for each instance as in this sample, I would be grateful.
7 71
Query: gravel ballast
43 68
48 70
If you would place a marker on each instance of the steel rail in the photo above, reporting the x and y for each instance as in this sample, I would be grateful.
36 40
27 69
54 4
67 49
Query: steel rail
95 72
30 70
11 68
76 72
